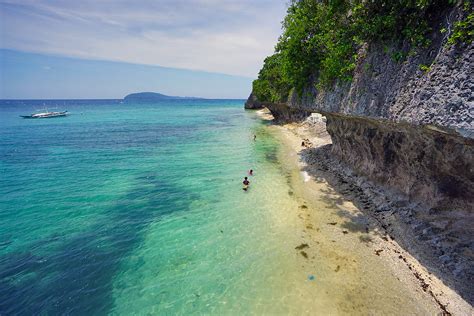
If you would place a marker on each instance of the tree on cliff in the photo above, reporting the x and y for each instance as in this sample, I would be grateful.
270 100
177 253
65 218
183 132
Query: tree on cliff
320 39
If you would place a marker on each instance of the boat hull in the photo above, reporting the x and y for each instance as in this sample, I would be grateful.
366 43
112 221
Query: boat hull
45 115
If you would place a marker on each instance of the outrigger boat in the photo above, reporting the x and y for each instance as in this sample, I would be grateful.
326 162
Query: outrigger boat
45 115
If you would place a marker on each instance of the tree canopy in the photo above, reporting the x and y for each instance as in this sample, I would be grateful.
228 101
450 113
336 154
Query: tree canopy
320 39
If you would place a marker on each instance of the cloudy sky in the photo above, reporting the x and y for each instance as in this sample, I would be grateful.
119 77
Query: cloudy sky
219 36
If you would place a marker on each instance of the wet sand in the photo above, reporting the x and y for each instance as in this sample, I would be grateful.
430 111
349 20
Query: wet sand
380 277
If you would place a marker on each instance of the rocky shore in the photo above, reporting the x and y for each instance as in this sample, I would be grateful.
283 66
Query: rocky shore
398 139
430 251
400 144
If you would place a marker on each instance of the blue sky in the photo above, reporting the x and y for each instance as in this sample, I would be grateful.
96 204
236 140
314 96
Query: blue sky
108 48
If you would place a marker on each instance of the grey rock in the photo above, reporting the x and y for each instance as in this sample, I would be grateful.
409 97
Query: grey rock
445 258
252 103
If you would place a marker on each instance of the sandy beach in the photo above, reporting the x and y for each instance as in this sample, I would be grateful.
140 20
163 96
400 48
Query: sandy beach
333 215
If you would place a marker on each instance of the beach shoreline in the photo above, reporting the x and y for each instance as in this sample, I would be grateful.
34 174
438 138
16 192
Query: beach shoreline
383 237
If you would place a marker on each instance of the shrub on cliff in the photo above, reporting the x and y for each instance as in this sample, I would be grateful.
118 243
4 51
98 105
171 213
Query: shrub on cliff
271 85
320 39
463 31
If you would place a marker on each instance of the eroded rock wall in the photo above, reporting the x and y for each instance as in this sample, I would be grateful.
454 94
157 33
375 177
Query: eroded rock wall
427 165
252 103
405 123
383 88
283 113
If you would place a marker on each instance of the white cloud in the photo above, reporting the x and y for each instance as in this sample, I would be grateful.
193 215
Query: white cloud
230 37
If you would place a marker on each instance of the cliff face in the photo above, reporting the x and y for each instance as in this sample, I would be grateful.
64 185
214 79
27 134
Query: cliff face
424 164
401 92
408 129
252 103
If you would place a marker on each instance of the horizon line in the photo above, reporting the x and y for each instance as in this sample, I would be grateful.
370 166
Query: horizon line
116 99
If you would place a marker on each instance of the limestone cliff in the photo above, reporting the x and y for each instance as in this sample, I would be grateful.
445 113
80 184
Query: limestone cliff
406 128
252 103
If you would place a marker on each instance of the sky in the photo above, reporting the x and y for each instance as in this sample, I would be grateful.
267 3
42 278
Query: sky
109 48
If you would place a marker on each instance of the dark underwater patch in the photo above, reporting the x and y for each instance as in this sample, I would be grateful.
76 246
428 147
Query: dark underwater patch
77 276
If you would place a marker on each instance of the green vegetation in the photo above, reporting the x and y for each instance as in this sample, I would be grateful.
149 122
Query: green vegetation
463 31
320 40
425 68
270 85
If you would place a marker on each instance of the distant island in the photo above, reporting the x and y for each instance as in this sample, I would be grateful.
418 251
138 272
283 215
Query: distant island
153 96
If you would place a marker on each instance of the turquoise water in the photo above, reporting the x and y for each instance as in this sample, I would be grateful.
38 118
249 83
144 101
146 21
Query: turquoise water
132 208
138 209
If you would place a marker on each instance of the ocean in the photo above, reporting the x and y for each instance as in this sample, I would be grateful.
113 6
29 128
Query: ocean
138 209
131 208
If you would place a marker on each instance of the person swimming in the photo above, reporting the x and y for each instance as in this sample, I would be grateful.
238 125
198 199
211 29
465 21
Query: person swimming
246 184
251 172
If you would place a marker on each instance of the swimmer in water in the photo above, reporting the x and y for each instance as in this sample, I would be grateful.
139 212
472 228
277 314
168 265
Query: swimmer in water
251 172
246 184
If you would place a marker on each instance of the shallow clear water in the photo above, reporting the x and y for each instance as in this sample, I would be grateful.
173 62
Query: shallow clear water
139 209
118 204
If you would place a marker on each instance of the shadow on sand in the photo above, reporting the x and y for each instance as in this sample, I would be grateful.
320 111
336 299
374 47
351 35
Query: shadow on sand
345 188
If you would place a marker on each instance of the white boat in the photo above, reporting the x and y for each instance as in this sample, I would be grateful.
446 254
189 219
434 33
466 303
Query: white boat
46 114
